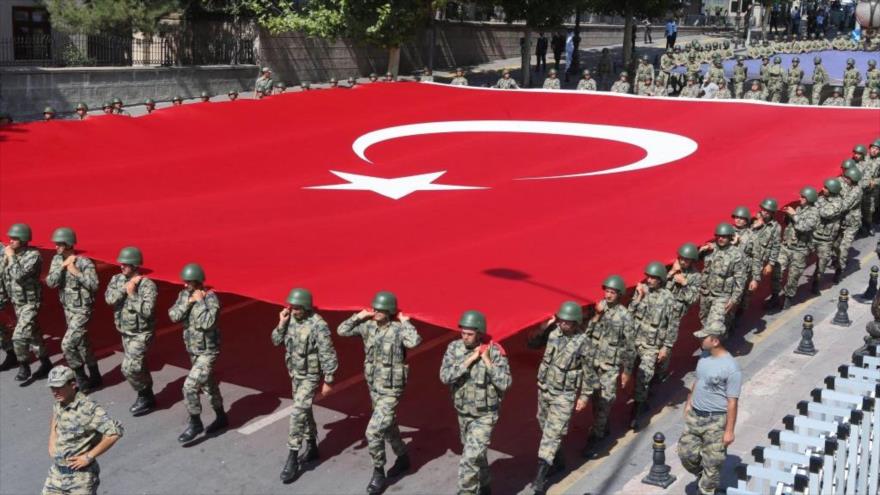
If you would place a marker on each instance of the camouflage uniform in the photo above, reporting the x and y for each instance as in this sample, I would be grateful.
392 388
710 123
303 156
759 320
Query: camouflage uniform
552 83
851 221
756 95
871 101
620 87
793 79
724 280
870 182
586 84
202 338
830 213
21 278
834 101
477 392
5 338
385 371
135 319
775 77
798 100
766 240
716 73
796 242
701 449
79 426
851 78
820 79
652 317
264 84
309 354
506 83
642 71
683 297
690 91
77 295
872 78
611 342
459 81
740 76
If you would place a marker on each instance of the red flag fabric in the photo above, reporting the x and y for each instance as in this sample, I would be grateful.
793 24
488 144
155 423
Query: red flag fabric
509 202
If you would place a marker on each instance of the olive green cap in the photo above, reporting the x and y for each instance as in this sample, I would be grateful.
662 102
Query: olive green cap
20 231
473 320
689 251
810 194
64 235
770 205
130 255
570 311
60 376
656 269
614 282
716 329
192 272
724 229
300 297
385 301
106 104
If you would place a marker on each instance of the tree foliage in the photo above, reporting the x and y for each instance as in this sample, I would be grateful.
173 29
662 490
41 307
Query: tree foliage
537 14
109 16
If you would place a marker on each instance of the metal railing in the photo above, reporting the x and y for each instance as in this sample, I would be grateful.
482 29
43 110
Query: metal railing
81 50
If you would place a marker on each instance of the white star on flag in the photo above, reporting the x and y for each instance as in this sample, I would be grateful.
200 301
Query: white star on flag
394 188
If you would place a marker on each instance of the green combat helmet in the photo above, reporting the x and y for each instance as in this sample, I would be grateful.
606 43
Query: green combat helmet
689 251
795 61
193 272
741 212
130 255
49 110
106 105
300 297
352 81
64 235
305 85
810 194
232 92
81 106
116 101
724 229
846 164
149 102
777 60
860 150
817 60
832 185
570 311
385 301
850 62
473 320
614 282
853 174
177 99
20 231
770 205
656 269
205 96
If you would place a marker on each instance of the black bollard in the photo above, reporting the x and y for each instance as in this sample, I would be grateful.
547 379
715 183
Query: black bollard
806 346
659 473
871 291
841 318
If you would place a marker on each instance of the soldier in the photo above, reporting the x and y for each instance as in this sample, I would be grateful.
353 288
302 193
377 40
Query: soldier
198 309
48 114
775 79
20 269
643 71
646 88
872 180
652 311
851 218
794 76
506 82
691 90
232 95
478 375
150 105
334 83
551 82
694 68
10 361
796 242
560 375
820 79
766 241
82 111
830 206
587 83
764 69
798 97
611 338
872 75
683 282
107 108
740 76
755 93
459 79
79 432
873 99
389 77
427 75
373 77
723 93
264 83
309 355
77 282
667 65
352 82
133 299
177 101
280 88
835 100
716 72
385 371
724 275
851 78
711 410
118 108
605 67
621 85
205 97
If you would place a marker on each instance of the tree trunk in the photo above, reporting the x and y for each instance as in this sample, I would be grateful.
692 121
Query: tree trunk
628 46
575 56
526 57
394 59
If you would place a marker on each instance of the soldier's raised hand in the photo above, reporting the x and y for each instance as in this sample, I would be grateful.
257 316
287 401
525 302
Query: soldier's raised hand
580 405
284 315
402 317
365 313
8 251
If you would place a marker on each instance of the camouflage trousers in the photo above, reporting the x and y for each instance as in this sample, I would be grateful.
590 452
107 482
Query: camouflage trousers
27 335
383 427
824 253
739 87
792 90
795 261
201 379
848 93
473 468
302 421
843 243
701 449
554 413
647 354
134 366
75 345
712 310
83 482
774 93
817 93
869 205
678 312
602 378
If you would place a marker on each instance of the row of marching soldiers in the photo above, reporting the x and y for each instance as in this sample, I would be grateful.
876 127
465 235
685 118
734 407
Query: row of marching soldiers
585 353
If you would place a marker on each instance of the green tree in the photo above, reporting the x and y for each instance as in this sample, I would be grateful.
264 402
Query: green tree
119 17
384 23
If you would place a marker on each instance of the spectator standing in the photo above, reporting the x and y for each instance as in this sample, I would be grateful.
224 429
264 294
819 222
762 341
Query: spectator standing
647 37
557 44
541 52
671 33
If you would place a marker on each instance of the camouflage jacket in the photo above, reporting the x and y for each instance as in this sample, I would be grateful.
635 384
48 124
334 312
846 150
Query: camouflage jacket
564 365
667 62
830 210
264 84
834 101
459 81
477 389
775 75
872 78
200 331
765 247
724 273
509 83
740 73
385 368
4 297
620 87
653 318
21 276
744 240
852 77
870 102
820 75
753 95
309 348
794 76
551 83
799 100
611 339
798 233
690 91
852 205
685 295
587 85
136 313
79 426
715 74
76 292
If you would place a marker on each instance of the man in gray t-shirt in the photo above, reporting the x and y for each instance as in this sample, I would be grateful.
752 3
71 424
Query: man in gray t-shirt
710 413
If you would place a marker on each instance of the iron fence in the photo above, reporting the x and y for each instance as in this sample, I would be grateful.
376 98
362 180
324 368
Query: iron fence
82 50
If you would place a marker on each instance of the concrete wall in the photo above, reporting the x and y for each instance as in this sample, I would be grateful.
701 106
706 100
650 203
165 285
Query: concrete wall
24 91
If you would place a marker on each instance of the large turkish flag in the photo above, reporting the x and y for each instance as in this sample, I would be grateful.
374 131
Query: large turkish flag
451 197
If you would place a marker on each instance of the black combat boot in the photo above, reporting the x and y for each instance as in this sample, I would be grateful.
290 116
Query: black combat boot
311 451
43 370
591 450
786 303
814 286
400 466
838 275
639 409
485 490
540 484
82 381
772 302
558 463
24 372
95 375
193 427
377 482
10 362
220 422
144 403
291 468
